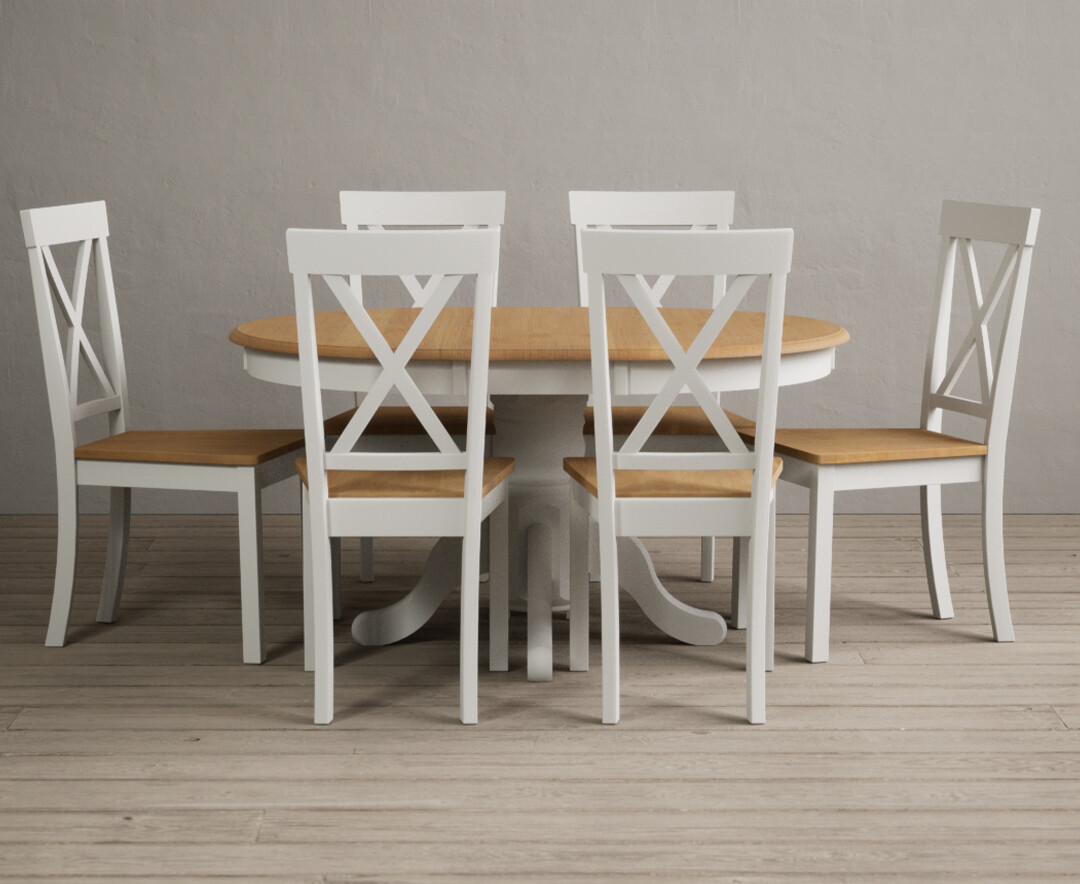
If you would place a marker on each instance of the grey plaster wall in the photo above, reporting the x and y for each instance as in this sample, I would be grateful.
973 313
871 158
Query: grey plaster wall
210 127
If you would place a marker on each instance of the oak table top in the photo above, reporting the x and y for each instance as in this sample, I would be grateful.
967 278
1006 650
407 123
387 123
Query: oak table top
540 334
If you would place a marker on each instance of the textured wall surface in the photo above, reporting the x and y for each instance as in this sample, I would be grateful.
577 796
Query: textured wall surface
210 127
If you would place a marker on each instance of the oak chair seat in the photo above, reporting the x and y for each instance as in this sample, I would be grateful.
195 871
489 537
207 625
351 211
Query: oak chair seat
679 420
668 483
210 447
871 445
399 420
408 483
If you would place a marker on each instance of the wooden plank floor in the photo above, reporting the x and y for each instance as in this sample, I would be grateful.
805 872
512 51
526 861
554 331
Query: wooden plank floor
145 750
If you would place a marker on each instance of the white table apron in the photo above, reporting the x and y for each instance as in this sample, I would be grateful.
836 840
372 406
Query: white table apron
539 410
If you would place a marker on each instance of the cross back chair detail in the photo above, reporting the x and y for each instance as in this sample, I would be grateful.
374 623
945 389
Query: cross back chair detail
447 492
241 462
630 491
694 210
378 210
831 460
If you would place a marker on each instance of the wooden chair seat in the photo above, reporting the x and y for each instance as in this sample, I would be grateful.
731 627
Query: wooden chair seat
869 445
679 420
409 483
668 483
399 420
206 447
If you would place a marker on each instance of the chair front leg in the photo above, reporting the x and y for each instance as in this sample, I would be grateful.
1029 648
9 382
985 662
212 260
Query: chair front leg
249 497
819 566
308 580
708 559
997 593
67 532
112 585
934 551
470 623
757 626
770 593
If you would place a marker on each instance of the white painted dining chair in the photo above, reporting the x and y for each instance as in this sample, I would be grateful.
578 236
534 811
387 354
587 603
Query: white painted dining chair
445 492
240 462
694 210
381 209
828 461
630 491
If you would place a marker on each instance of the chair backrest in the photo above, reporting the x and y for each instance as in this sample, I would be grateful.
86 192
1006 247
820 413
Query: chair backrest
605 209
746 256
61 314
963 225
339 255
379 209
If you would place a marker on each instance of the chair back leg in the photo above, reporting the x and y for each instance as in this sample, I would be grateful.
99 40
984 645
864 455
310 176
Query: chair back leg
112 584
934 551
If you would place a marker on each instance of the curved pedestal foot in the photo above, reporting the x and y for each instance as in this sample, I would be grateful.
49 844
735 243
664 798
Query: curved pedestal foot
442 573
637 576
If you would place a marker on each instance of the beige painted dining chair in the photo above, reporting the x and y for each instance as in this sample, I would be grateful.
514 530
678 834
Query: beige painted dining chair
382 209
358 492
630 491
828 461
239 462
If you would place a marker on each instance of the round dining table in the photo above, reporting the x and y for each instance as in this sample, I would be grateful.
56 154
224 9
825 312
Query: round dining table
539 381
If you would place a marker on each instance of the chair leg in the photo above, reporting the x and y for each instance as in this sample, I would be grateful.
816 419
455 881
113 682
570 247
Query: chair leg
112 586
335 574
934 551
708 559
499 588
470 623
740 580
67 531
609 620
756 626
322 622
539 579
251 593
770 594
367 560
308 582
579 589
594 551
819 566
997 594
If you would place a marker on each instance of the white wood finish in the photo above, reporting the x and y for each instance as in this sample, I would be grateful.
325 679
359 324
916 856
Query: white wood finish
746 256
375 210
962 224
698 210
332 256
61 309
539 409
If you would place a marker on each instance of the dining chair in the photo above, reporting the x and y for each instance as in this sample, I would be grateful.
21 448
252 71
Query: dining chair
377 210
694 210
828 461
630 491
241 462
445 492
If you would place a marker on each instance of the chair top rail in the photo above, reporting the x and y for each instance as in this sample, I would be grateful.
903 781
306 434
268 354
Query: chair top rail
653 209
54 225
479 208
393 252
687 253
989 223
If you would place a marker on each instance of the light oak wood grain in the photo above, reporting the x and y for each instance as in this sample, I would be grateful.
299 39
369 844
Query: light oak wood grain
539 334
144 752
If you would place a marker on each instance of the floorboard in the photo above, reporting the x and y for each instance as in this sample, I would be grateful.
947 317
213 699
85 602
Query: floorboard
923 751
